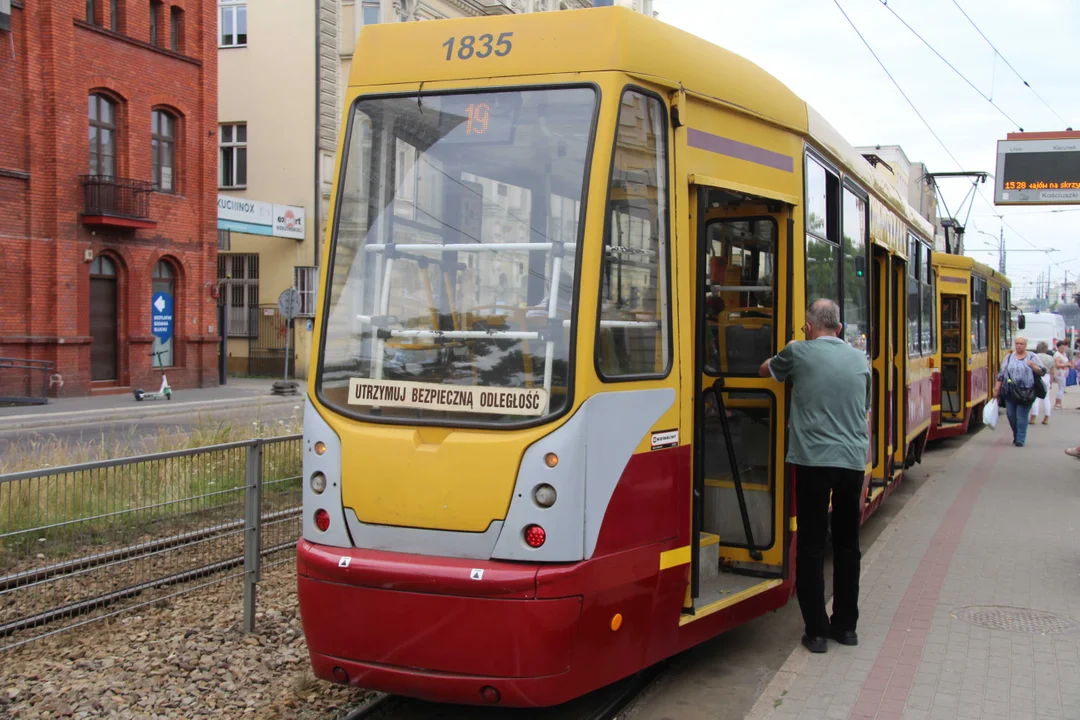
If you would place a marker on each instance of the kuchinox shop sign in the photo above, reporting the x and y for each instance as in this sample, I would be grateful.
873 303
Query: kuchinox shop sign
260 218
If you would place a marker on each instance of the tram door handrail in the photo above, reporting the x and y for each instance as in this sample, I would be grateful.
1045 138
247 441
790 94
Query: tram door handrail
718 394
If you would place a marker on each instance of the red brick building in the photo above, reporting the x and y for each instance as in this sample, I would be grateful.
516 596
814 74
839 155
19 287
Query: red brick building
108 183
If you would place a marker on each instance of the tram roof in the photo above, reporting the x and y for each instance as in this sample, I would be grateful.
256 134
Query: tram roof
970 264
605 39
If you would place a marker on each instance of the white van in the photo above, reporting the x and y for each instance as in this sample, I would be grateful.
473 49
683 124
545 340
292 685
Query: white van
1041 327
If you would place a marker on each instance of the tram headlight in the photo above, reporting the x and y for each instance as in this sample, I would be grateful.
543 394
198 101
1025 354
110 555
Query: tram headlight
318 483
544 495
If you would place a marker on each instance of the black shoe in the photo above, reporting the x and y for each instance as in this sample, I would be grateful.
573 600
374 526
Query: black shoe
844 637
815 644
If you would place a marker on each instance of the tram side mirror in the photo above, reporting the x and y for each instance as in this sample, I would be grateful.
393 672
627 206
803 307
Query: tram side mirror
1020 323
860 266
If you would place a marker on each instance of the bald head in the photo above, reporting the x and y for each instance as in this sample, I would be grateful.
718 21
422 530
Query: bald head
823 315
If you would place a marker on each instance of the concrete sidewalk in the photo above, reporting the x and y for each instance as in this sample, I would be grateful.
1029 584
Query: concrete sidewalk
969 601
239 392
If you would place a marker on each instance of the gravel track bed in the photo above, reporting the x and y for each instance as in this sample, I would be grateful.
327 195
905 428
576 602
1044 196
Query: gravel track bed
188 659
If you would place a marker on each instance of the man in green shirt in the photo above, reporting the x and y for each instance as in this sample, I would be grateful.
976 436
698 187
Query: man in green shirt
828 444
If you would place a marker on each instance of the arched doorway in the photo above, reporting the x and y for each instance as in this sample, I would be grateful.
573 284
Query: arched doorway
164 281
103 323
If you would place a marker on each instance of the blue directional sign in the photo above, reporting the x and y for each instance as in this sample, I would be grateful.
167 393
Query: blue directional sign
161 316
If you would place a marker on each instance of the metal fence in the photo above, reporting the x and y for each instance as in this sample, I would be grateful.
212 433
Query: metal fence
20 383
86 542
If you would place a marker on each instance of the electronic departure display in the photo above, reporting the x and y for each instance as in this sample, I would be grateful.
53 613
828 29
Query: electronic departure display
487 118
1038 172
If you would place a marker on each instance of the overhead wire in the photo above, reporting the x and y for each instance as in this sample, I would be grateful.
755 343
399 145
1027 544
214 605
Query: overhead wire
952 67
897 85
1007 63
926 123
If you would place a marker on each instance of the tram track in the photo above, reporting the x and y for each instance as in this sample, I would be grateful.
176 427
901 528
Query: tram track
604 704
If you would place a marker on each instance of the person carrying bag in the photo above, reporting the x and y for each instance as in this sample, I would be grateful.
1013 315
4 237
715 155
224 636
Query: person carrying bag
1018 384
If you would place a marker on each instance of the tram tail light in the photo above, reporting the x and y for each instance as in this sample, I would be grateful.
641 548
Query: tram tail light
490 695
322 520
535 536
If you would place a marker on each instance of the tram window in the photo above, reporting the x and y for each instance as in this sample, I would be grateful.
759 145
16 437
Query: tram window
927 314
913 296
822 262
1006 326
815 198
739 295
856 278
984 315
633 338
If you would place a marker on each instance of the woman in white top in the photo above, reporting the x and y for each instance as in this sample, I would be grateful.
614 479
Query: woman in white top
1061 372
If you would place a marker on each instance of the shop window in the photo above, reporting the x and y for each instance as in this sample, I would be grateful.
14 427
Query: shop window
239 278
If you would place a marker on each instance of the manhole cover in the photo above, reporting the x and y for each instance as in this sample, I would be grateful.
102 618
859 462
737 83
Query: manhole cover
1014 619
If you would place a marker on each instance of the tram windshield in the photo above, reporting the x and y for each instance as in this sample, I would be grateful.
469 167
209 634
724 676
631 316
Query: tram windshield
451 286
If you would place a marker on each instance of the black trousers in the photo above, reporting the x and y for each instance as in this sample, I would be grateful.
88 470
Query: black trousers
813 486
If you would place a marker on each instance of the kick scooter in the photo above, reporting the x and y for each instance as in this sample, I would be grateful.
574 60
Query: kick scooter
164 392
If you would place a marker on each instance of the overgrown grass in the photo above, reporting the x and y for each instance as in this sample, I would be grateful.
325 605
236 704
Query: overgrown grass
118 504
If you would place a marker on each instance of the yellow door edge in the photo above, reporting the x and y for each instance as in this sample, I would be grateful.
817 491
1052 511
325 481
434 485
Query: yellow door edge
729 601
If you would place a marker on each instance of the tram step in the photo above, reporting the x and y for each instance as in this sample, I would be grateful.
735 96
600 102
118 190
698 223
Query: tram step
709 558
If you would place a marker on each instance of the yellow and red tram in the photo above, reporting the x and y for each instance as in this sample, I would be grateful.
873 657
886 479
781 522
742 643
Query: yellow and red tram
538 456
975 335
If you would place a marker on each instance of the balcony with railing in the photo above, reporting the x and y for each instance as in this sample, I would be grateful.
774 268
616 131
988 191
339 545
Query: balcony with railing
116 202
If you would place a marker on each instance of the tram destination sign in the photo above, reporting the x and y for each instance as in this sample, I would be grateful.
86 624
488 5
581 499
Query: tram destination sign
1038 171
459 398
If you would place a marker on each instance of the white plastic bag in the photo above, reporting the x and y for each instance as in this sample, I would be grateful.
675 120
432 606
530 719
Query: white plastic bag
990 413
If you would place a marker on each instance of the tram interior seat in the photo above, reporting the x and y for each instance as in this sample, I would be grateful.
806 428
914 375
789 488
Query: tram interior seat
747 347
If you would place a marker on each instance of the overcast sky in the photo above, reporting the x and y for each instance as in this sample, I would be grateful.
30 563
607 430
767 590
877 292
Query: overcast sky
809 46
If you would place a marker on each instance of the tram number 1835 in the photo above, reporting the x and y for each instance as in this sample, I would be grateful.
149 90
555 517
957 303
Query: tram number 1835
471 46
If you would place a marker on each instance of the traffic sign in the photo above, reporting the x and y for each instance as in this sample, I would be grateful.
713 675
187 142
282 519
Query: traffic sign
288 303
161 316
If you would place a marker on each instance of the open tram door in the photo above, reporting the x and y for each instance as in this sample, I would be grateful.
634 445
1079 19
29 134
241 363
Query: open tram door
741 265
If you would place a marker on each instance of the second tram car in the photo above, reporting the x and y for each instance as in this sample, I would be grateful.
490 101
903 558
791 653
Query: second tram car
537 454
975 335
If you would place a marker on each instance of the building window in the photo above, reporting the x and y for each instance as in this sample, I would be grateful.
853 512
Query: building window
232 167
91 12
176 29
155 13
164 281
633 339
102 121
224 240
163 150
232 21
306 281
114 15
371 13
239 278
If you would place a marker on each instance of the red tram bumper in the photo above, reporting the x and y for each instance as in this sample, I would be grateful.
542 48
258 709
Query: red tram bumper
424 627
